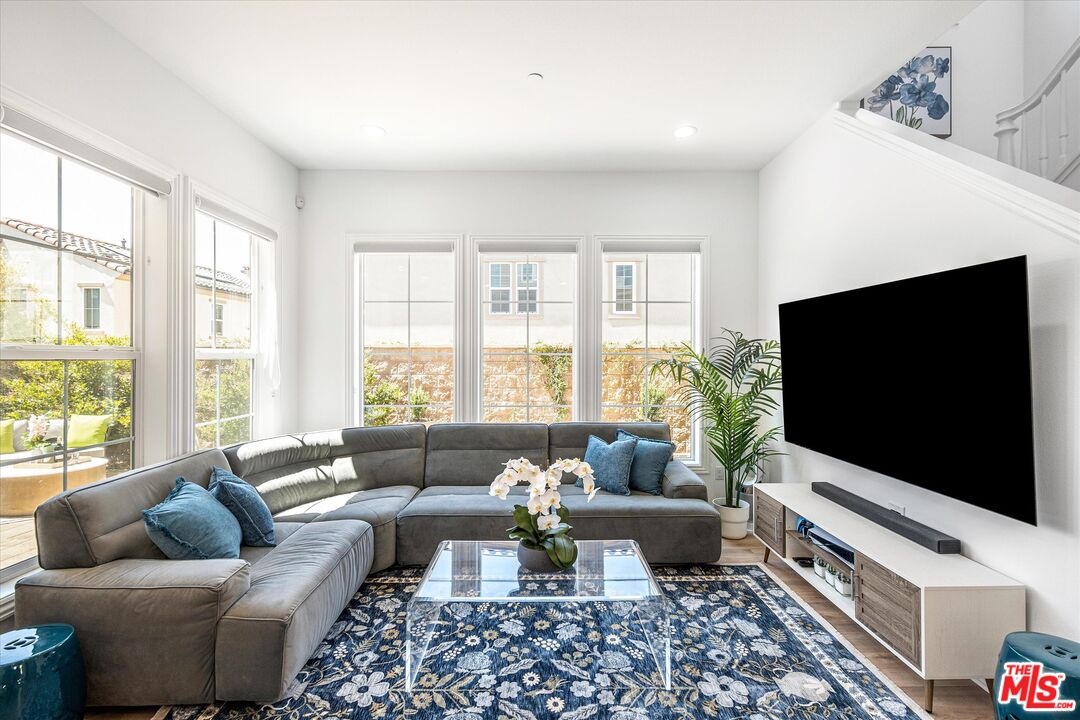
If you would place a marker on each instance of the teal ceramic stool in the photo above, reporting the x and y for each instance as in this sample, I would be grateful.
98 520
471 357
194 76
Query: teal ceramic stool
1057 655
41 674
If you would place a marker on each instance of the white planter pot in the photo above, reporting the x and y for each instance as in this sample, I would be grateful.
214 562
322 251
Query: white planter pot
831 579
733 520
844 588
819 570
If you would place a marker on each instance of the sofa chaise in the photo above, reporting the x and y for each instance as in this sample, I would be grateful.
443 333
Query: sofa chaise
345 503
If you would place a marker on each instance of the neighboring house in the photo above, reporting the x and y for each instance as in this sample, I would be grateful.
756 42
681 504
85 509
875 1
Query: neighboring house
96 287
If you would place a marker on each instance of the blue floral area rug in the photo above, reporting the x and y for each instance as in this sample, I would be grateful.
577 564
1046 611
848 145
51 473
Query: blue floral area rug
743 647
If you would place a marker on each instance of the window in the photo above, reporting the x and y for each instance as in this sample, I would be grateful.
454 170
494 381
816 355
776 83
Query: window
623 284
527 357
652 306
225 350
499 288
406 328
92 308
528 286
63 225
518 288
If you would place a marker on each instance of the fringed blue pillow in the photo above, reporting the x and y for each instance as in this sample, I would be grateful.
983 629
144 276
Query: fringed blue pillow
651 458
189 524
245 503
610 464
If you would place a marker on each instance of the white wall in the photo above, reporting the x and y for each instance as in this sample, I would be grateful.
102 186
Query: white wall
61 55
987 70
831 219
1050 27
720 205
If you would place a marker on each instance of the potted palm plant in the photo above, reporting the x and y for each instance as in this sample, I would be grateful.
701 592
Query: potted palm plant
732 391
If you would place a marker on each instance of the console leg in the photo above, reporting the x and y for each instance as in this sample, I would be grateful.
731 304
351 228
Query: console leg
767 552
990 688
928 696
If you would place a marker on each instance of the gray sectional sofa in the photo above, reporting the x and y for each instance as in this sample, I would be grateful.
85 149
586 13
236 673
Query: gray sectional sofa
345 503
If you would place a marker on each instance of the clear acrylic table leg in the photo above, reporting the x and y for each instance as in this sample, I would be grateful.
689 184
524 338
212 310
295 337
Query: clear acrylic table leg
420 625
655 622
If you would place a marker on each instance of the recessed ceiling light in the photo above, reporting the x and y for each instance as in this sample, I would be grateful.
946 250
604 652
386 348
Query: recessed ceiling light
684 131
535 76
372 131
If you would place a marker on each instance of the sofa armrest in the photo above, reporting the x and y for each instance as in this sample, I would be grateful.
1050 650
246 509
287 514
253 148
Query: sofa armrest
680 482
146 627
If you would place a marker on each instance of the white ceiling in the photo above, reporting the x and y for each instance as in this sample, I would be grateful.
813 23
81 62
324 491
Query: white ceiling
448 79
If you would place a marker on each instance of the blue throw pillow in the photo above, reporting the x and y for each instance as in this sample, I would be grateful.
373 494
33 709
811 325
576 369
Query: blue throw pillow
611 464
650 460
189 524
246 504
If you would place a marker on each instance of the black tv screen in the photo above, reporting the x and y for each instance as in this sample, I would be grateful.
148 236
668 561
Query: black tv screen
926 380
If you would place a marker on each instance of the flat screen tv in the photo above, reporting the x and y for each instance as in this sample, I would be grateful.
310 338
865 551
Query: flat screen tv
926 380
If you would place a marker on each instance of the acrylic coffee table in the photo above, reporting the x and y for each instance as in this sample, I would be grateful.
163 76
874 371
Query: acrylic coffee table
487 571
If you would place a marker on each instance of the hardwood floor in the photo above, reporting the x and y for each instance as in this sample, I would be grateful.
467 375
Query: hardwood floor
953 699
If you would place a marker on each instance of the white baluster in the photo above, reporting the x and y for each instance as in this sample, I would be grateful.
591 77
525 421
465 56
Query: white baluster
1044 154
1024 151
1005 132
1063 129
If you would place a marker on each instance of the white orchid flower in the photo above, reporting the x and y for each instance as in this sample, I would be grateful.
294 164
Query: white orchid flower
507 477
589 485
500 490
535 505
546 522
582 469
550 499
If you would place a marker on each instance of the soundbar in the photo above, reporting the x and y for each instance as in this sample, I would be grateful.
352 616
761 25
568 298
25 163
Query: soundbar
928 537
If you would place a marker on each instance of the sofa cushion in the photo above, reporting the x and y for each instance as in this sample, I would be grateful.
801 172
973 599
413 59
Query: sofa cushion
293 469
474 453
611 463
297 591
7 437
190 524
146 628
571 439
282 530
246 505
379 508
650 460
669 531
86 430
103 521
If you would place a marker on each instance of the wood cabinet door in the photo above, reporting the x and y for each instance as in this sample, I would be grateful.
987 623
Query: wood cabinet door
890 606
769 521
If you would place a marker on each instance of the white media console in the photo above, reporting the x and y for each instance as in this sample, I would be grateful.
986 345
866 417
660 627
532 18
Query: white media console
944 616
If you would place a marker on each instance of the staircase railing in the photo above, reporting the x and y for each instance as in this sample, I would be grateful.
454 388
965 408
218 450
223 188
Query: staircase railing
1036 104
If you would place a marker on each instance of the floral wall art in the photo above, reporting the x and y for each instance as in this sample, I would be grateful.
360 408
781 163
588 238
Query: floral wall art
919 93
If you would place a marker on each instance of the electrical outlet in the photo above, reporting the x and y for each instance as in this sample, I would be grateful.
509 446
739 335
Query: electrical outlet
898 508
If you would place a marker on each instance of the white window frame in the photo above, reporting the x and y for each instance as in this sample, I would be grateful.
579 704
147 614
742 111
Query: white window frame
517 249
250 354
472 294
508 288
354 247
21 117
699 460
615 288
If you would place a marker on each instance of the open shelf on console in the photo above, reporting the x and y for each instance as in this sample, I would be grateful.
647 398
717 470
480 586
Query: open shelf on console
818 551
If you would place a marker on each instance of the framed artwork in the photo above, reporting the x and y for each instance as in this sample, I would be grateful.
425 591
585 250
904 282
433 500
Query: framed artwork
918 94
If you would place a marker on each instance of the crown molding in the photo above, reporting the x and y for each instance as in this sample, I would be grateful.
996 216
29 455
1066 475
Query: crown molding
1024 194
